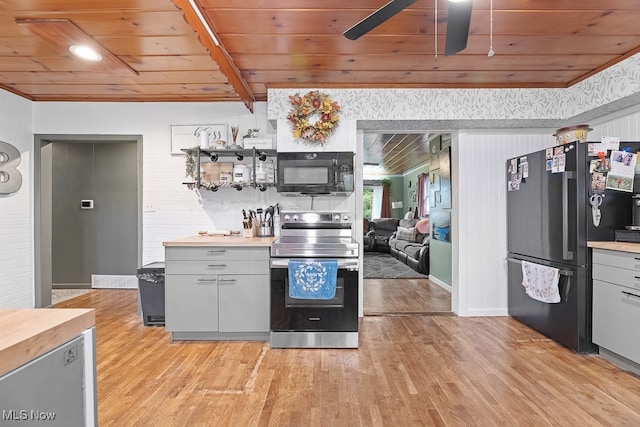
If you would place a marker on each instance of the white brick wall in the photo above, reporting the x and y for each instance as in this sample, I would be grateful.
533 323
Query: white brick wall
176 211
16 210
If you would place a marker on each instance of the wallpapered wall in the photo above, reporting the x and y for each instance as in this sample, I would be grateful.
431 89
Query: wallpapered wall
612 89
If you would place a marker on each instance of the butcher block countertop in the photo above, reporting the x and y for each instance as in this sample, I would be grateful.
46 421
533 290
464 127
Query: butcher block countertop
28 333
221 241
616 246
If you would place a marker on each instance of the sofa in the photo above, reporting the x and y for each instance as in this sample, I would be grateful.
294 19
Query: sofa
401 238
410 246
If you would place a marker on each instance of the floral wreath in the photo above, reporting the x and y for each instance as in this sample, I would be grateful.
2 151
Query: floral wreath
314 105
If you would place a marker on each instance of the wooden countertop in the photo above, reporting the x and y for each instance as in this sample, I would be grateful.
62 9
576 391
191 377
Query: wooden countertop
28 333
616 246
221 241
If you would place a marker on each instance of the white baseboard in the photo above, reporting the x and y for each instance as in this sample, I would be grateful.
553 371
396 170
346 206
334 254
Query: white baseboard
485 312
440 283
101 281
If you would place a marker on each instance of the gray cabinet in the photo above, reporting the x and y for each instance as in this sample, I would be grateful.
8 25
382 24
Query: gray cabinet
616 303
191 302
217 292
55 389
244 303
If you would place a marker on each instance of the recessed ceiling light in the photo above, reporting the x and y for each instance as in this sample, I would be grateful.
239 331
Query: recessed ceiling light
85 52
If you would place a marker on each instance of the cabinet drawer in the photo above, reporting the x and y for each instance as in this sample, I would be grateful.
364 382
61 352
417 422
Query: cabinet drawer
626 260
616 315
217 266
217 253
617 275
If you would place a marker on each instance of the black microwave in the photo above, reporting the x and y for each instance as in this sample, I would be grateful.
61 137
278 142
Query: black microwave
318 173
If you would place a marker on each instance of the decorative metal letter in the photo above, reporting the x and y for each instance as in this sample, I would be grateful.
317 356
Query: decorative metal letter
10 178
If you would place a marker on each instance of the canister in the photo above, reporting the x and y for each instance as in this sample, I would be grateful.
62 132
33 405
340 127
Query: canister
226 176
270 171
261 174
240 173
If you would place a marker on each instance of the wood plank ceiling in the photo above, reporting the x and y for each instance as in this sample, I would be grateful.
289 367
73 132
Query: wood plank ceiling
292 44
388 153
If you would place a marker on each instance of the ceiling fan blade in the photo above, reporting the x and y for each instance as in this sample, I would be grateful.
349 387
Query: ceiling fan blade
458 20
376 18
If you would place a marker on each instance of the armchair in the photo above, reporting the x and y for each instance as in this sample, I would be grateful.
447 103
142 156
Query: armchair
380 230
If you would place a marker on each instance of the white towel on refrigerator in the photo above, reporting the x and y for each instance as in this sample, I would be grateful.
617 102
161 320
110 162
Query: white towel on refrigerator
541 282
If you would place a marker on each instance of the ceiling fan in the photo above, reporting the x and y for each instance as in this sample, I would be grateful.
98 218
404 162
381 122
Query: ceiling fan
459 18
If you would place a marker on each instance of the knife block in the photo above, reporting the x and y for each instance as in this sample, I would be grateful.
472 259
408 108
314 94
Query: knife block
250 232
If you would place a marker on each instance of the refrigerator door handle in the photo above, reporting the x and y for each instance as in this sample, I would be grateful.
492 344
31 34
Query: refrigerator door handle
567 273
567 287
566 176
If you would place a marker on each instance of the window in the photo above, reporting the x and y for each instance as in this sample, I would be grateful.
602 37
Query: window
367 202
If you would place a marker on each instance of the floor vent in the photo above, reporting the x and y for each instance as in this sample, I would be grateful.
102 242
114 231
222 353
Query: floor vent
114 282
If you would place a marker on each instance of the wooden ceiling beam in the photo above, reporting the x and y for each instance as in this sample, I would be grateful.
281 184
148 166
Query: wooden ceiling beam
218 53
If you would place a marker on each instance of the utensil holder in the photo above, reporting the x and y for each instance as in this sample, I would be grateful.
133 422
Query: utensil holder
265 231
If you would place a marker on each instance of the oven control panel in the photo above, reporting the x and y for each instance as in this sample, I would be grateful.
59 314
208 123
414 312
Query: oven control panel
314 217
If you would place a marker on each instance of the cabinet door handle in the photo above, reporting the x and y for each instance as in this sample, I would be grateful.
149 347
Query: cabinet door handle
228 281
217 265
205 280
216 251
630 294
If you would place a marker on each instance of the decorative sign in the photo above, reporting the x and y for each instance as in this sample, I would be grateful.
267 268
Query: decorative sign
10 177
187 136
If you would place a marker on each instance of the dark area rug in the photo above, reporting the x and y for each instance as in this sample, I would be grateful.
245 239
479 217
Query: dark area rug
379 265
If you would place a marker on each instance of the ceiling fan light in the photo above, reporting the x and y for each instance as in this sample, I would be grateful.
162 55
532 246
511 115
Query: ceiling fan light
85 52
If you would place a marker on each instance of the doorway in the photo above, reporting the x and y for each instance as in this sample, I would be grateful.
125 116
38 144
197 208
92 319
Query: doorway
393 283
87 210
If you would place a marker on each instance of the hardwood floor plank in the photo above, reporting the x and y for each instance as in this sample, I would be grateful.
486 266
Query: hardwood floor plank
405 296
408 370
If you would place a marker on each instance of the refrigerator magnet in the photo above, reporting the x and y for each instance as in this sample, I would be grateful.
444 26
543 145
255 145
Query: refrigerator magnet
549 153
598 181
610 142
561 162
549 164
594 148
619 182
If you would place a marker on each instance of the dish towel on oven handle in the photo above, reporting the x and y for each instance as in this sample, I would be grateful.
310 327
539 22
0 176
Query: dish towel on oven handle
541 282
313 279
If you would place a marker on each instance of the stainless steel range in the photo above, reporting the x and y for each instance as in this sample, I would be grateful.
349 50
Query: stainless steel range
313 237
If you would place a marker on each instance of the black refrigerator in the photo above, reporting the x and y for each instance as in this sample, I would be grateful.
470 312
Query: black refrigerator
549 221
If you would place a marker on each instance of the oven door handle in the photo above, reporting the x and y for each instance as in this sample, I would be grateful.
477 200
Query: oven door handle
343 264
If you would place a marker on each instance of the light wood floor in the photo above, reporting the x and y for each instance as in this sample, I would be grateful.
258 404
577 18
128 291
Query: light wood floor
408 371
405 296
